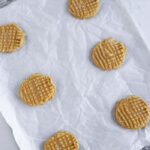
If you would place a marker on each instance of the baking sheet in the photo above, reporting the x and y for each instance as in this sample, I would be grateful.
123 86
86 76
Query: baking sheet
59 45
4 3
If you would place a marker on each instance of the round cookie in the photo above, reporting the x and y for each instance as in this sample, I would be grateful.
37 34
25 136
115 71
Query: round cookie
132 112
84 8
37 89
12 37
109 54
62 140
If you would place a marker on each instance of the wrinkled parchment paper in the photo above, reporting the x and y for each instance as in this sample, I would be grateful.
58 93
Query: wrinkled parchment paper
59 45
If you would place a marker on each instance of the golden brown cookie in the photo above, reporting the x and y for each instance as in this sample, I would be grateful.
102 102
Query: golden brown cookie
37 89
62 140
84 8
11 37
132 112
109 54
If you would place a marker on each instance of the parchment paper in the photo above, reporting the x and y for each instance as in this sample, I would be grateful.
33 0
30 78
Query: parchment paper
60 45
